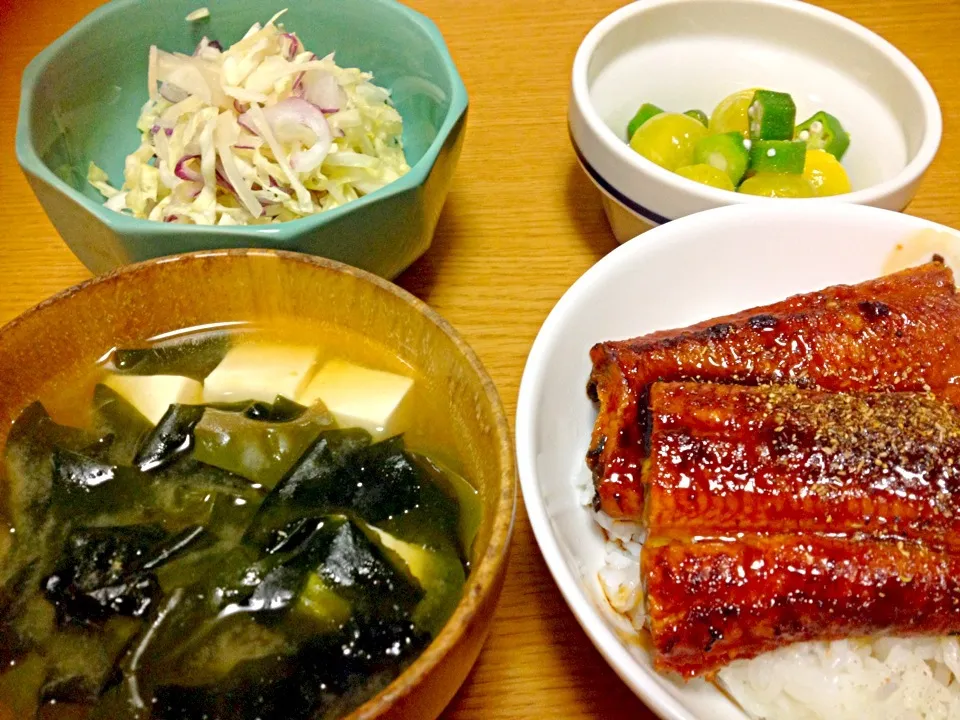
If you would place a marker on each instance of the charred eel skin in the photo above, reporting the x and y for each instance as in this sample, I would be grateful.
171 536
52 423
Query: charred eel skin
731 458
714 601
898 332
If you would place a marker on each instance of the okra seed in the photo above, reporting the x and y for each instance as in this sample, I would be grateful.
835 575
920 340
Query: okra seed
804 135
816 126
771 153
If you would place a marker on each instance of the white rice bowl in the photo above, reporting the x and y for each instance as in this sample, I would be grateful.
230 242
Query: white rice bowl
702 266
857 679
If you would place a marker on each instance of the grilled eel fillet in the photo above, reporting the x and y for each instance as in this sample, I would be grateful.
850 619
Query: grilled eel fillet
899 332
714 601
776 459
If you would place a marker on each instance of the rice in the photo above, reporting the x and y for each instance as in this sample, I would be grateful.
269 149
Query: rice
894 679
857 679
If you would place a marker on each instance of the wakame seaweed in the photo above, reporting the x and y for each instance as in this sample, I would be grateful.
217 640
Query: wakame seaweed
170 439
313 483
118 420
258 448
236 561
193 357
100 573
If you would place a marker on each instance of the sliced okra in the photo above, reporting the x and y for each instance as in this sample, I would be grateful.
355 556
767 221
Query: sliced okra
771 116
822 131
727 152
778 156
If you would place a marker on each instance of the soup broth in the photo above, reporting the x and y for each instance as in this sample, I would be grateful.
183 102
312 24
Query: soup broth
228 522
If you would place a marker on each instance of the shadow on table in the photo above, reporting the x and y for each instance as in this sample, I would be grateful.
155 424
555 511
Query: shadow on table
459 700
586 212
420 277
538 662
603 694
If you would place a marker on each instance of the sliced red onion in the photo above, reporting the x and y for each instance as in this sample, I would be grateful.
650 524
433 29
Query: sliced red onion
294 48
168 131
215 44
171 218
222 181
172 93
325 110
272 209
297 88
244 147
245 121
185 173
322 89
287 120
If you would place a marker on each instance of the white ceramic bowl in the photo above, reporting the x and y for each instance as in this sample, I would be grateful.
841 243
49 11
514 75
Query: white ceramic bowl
692 269
683 54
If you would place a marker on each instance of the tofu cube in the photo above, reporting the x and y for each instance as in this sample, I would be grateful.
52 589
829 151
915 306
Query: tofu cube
260 371
153 394
360 397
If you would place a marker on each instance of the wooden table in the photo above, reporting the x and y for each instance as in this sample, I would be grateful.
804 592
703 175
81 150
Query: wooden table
520 225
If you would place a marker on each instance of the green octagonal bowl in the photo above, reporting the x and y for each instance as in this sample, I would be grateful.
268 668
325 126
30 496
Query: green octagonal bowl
82 95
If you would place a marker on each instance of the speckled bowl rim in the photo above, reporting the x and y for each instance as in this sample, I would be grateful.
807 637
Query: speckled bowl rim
484 578
30 161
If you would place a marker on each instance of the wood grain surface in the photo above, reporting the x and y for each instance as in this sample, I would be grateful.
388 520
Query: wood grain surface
520 225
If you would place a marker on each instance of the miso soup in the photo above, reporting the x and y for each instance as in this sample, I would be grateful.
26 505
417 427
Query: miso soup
228 523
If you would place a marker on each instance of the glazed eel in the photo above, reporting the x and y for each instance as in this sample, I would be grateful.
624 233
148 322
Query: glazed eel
714 601
777 515
898 332
776 459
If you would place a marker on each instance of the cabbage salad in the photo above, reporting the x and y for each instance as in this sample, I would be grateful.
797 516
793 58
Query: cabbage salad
261 132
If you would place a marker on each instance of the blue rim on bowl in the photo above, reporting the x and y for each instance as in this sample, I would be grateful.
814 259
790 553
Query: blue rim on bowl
598 179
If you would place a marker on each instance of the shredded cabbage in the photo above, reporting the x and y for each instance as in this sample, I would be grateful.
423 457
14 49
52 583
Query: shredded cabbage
261 132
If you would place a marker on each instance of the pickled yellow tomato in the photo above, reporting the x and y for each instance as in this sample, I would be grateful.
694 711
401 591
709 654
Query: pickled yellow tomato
706 175
668 139
730 115
825 174
777 185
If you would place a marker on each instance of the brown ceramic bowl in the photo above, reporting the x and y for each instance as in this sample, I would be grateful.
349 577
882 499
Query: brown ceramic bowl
46 346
